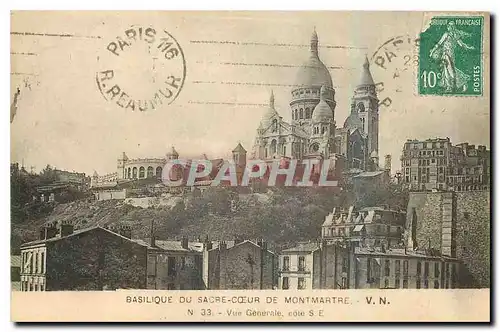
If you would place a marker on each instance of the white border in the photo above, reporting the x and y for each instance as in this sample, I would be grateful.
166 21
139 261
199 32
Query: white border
423 5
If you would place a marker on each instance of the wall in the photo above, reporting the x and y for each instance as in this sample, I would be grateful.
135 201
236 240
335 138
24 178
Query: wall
187 270
429 218
110 194
239 267
33 268
457 224
293 274
95 260
473 235
331 272
441 280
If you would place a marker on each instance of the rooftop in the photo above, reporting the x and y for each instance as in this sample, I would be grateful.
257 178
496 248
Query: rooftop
303 247
368 174
171 245
76 232
398 252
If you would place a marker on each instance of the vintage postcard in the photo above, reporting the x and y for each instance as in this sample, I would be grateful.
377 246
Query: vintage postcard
250 166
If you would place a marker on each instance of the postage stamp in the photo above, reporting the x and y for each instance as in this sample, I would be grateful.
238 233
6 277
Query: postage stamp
158 73
451 56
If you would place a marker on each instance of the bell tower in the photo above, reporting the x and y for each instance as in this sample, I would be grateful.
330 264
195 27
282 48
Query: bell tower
365 101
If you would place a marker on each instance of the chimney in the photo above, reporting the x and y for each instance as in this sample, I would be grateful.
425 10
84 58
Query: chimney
222 245
48 231
387 163
237 239
184 242
65 228
125 231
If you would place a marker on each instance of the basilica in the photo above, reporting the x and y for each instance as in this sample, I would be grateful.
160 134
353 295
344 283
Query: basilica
312 132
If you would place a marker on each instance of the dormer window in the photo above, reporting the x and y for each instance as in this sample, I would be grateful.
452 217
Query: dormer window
361 107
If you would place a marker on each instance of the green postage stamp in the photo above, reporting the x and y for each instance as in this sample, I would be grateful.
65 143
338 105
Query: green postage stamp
450 54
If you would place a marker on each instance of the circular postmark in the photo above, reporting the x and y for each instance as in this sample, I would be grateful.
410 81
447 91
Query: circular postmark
141 69
394 66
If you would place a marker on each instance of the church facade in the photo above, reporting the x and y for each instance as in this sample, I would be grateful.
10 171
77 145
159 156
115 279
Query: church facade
312 132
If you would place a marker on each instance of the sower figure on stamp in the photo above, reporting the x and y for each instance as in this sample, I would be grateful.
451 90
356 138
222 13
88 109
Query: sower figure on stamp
452 78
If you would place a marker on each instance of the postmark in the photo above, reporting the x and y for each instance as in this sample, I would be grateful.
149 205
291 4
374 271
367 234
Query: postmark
451 56
394 63
142 69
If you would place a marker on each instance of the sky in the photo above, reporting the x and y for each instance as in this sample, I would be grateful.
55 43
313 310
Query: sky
233 60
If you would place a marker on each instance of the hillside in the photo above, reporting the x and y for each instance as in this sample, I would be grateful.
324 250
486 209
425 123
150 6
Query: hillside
278 216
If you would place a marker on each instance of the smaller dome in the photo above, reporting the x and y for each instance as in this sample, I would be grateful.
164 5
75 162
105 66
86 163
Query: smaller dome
270 112
322 112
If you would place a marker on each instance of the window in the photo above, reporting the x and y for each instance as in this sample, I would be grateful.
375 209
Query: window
405 268
368 270
397 283
436 270
405 283
436 284
344 283
344 264
285 284
398 267
426 269
42 262
302 263
301 283
36 288
36 262
453 275
42 287
386 283
418 283
183 263
387 268
286 263
419 268
171 266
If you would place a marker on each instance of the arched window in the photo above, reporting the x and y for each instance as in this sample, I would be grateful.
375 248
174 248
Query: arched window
273 146
284 150
141 172
308 113
158 171
150 171
323 130
275 125
296 115
134 172
129 175
301 113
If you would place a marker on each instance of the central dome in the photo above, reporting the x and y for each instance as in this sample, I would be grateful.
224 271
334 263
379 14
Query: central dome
314 72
